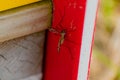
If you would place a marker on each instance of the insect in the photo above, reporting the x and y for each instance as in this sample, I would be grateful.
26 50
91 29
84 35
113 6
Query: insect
63 29
61 40
62 37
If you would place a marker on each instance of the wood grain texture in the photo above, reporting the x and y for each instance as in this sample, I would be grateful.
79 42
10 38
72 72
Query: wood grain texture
24 21
22 58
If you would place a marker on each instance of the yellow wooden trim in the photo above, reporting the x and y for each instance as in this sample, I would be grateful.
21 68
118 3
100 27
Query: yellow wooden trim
8 4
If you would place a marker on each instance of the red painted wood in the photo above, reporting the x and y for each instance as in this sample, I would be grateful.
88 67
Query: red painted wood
68 15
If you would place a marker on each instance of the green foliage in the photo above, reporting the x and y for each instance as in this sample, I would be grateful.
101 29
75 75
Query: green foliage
102 57
107 62
108 7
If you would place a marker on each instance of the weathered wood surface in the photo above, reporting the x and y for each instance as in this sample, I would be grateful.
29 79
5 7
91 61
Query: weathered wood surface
22 58
25 20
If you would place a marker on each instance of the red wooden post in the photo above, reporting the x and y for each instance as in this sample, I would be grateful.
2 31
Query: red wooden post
70 39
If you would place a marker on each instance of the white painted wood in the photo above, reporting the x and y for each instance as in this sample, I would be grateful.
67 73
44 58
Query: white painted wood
87 39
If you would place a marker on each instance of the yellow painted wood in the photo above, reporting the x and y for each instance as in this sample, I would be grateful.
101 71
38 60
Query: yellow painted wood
8 4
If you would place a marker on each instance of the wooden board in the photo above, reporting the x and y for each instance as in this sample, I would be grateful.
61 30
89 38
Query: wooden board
69 41
21 59
25 20
8 4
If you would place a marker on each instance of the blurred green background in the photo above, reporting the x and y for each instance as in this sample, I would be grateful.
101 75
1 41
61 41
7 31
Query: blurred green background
105 64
